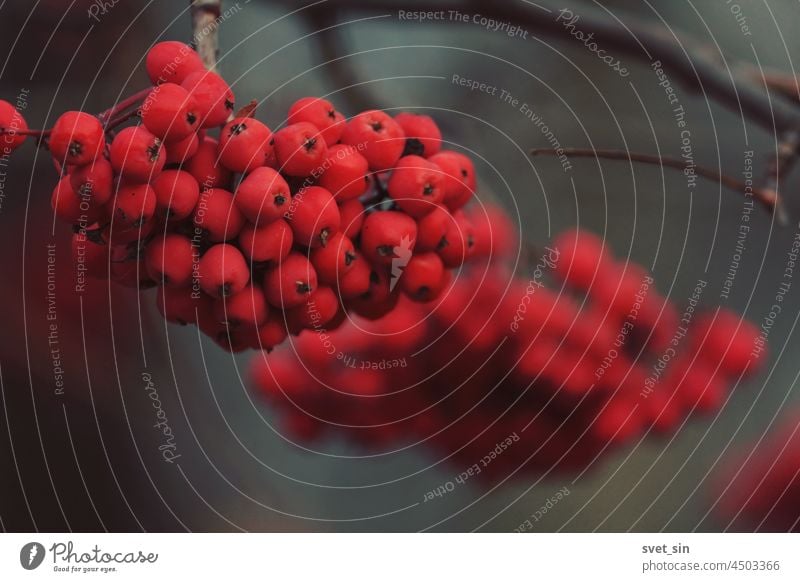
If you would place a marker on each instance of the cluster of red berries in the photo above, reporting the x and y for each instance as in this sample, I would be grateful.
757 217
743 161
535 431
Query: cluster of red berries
254 234
567 375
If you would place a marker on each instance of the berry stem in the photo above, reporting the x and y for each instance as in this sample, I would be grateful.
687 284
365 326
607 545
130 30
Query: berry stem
126 103
766 196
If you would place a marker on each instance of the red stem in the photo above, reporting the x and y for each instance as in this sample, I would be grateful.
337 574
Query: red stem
125 104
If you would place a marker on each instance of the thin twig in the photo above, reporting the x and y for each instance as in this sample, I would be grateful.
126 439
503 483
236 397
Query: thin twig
125 104
205 15
764 196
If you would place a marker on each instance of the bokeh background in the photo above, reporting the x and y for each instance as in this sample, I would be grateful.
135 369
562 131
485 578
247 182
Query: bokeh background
88 459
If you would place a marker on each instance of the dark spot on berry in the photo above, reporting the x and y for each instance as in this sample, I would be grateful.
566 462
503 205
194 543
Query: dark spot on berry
85 189
423 292
191 118
332 113
349 258
323 236
224 290
442 243
272 142
229 105
385 250
464 173
428 189
374 279
237 128
376 126
414 147
280 200
139 222
154 150
470 241
303 288
310 143
75 148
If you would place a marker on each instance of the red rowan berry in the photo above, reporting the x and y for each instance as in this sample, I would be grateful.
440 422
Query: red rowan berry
351 214
11 122
416 185
213 96
459 178
180 151
300 149
169 112
177 193
172 61
423 137
223 271
244 144
134 205
321 114
319 308
313 216
77 138
388 235
345 172
288 284
268 244
378 137
581 257
70 206
432 228
95 179
263 196
334 260
137 155
170 260
379 298
205 167
247 308
182 305
356 281
456 246
271 333
727 341
422 278
217 214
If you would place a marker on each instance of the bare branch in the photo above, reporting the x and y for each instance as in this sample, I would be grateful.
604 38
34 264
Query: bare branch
204 30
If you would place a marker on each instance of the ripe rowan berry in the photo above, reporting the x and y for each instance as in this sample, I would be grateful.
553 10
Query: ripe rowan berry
171 62
170 260
351 218
334 260
247 308
356 281
223 271
379 298
416 185
378 137
288 284
205 167
299 149
244 144
313 216
345 173
459 178
177 193
11 123
422 278
268 244
321 114
137 155
423 137
180 151
70 206
213 97
170 113
456 246
95 179
77 138
271 333
134 205
182 305
263 196
581 257
318 309
727 341
218 216
388 235
432 228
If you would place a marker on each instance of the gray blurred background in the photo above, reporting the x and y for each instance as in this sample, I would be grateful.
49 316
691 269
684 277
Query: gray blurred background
89 460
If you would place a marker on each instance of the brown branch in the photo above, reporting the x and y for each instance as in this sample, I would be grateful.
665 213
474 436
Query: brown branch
767 197
205 37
